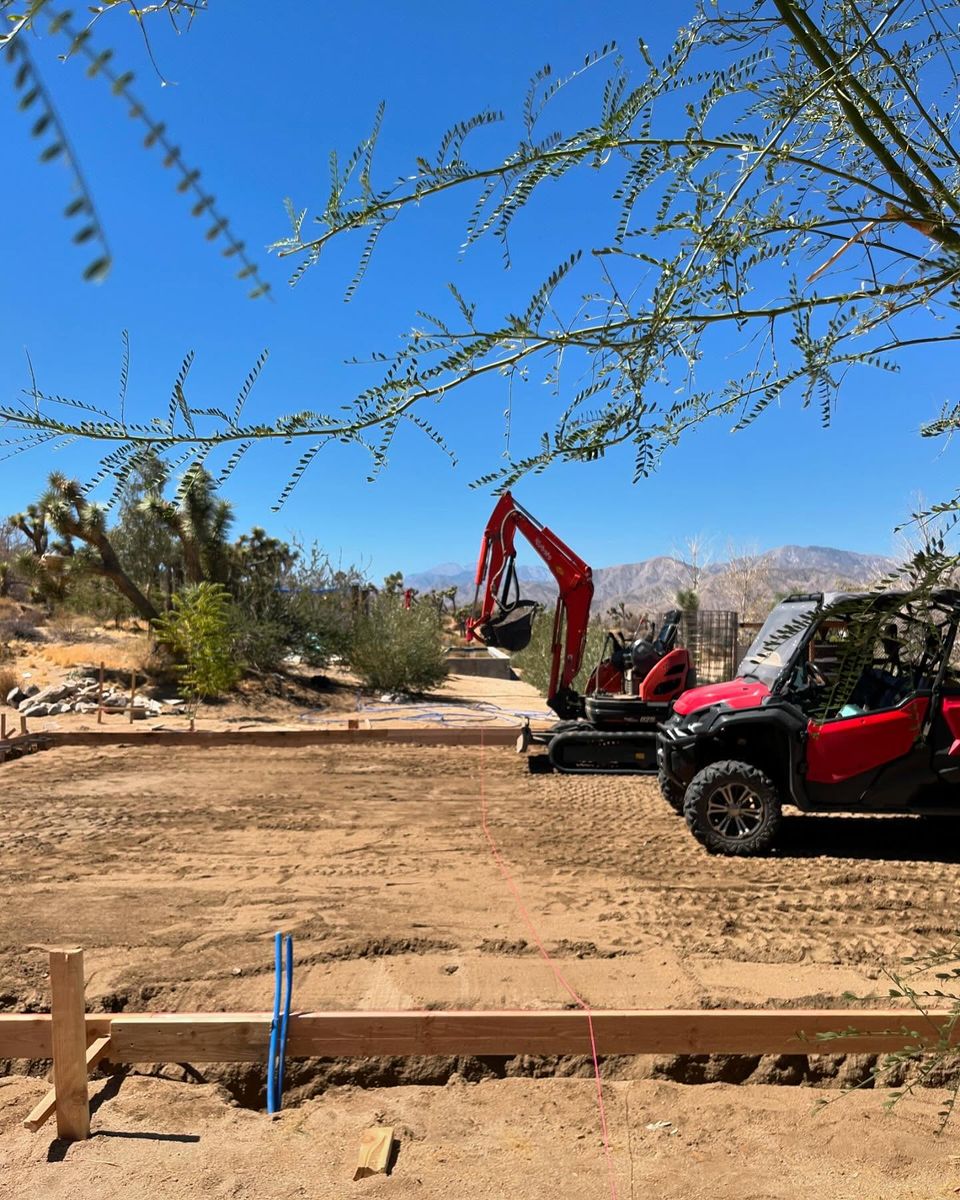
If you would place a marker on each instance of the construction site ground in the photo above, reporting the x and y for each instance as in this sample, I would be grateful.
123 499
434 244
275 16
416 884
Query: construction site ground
173 869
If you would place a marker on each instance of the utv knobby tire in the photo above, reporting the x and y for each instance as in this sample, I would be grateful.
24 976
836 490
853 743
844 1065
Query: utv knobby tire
670 791
715 787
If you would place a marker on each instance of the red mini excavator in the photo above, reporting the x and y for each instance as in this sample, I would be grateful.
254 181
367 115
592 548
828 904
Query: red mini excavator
612 727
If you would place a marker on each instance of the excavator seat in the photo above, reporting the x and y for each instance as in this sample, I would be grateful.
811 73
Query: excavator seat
511 628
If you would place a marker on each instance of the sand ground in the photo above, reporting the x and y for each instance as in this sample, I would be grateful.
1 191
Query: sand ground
174 869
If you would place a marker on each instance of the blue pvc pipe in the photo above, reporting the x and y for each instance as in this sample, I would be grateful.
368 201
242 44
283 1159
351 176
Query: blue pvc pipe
272 1104
282 1052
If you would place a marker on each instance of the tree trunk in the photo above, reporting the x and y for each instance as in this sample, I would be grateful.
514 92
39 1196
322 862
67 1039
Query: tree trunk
113 571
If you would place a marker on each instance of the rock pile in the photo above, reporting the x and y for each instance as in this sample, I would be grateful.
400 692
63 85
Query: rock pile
77 695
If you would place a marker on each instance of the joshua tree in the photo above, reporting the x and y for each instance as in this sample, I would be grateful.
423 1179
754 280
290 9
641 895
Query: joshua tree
69 512
201 522
32 523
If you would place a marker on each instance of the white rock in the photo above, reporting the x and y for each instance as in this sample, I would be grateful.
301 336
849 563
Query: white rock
53 693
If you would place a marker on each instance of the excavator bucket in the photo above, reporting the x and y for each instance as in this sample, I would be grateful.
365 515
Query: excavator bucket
512 628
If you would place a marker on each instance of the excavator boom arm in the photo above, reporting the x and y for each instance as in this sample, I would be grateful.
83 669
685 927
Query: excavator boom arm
496 576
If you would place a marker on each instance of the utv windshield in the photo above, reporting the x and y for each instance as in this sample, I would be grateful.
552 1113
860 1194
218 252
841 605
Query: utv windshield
777 642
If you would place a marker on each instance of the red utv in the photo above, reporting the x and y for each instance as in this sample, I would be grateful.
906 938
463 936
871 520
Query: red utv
844 703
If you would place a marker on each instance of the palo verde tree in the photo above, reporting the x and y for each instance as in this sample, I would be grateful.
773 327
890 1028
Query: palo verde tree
785 179
28 29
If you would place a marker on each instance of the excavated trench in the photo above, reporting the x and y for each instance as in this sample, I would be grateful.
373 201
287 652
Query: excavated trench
244 1084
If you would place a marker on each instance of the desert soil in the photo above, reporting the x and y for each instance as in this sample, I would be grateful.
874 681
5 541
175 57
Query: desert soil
173 870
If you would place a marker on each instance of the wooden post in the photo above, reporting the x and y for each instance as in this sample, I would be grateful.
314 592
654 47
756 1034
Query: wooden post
3 727
133 692
69 1036
100 698
23 726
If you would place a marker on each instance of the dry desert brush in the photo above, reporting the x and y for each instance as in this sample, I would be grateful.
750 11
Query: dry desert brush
397 649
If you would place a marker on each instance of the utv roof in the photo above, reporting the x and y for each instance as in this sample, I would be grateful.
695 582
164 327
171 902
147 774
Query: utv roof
941 597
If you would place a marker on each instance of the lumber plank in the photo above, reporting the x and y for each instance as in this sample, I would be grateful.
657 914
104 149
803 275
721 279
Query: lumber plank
42 1111
28 1035
496 736
191 1037
244 1037
69 1037
376 1146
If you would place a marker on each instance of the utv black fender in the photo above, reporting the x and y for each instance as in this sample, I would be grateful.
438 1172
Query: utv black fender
772 738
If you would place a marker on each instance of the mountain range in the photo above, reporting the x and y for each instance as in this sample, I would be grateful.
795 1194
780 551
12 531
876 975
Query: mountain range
745 584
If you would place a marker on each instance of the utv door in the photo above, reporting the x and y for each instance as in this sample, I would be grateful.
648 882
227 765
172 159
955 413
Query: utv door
853 761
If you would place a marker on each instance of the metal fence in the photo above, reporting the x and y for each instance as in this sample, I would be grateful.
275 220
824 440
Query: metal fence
711 636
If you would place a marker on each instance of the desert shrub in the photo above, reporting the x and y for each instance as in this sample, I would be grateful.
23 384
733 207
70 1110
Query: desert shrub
94 596
200 631
9 679
397 649
534 661
21 626
322 624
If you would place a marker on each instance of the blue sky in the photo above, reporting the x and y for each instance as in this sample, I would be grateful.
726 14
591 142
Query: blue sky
262 93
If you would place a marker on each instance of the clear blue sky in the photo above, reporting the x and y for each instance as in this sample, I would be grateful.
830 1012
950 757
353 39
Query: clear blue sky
262 93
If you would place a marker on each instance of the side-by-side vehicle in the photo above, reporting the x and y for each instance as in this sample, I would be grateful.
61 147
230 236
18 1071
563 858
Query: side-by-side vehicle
845 702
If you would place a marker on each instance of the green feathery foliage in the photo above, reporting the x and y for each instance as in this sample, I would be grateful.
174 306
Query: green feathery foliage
34 99
785 180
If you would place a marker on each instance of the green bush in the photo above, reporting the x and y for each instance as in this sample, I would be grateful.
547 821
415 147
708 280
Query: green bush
200 631
397 649
534 661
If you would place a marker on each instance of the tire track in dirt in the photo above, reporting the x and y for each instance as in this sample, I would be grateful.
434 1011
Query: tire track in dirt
174 870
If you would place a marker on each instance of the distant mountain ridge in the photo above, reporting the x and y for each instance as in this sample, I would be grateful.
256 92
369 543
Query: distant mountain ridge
653 582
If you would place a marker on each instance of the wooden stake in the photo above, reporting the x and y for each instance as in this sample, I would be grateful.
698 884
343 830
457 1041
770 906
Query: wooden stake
23 726
100 698
133 692
69 1036
41 1112
376 1146
3 727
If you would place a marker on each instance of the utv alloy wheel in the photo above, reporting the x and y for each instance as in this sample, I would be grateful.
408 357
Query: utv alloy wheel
733 808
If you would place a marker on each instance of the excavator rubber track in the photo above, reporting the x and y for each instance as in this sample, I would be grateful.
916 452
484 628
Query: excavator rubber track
579 751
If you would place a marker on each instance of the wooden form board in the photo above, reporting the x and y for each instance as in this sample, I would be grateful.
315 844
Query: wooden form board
462 736
244 1037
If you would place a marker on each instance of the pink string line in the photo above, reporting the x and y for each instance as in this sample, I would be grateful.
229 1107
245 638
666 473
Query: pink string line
545 955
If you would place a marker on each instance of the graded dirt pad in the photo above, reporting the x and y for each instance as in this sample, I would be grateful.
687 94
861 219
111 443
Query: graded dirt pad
174 868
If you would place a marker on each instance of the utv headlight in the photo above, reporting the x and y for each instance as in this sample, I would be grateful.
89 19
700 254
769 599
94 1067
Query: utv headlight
703 720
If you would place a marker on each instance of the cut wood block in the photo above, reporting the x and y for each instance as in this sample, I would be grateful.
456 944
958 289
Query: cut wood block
376 1146
48 1105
